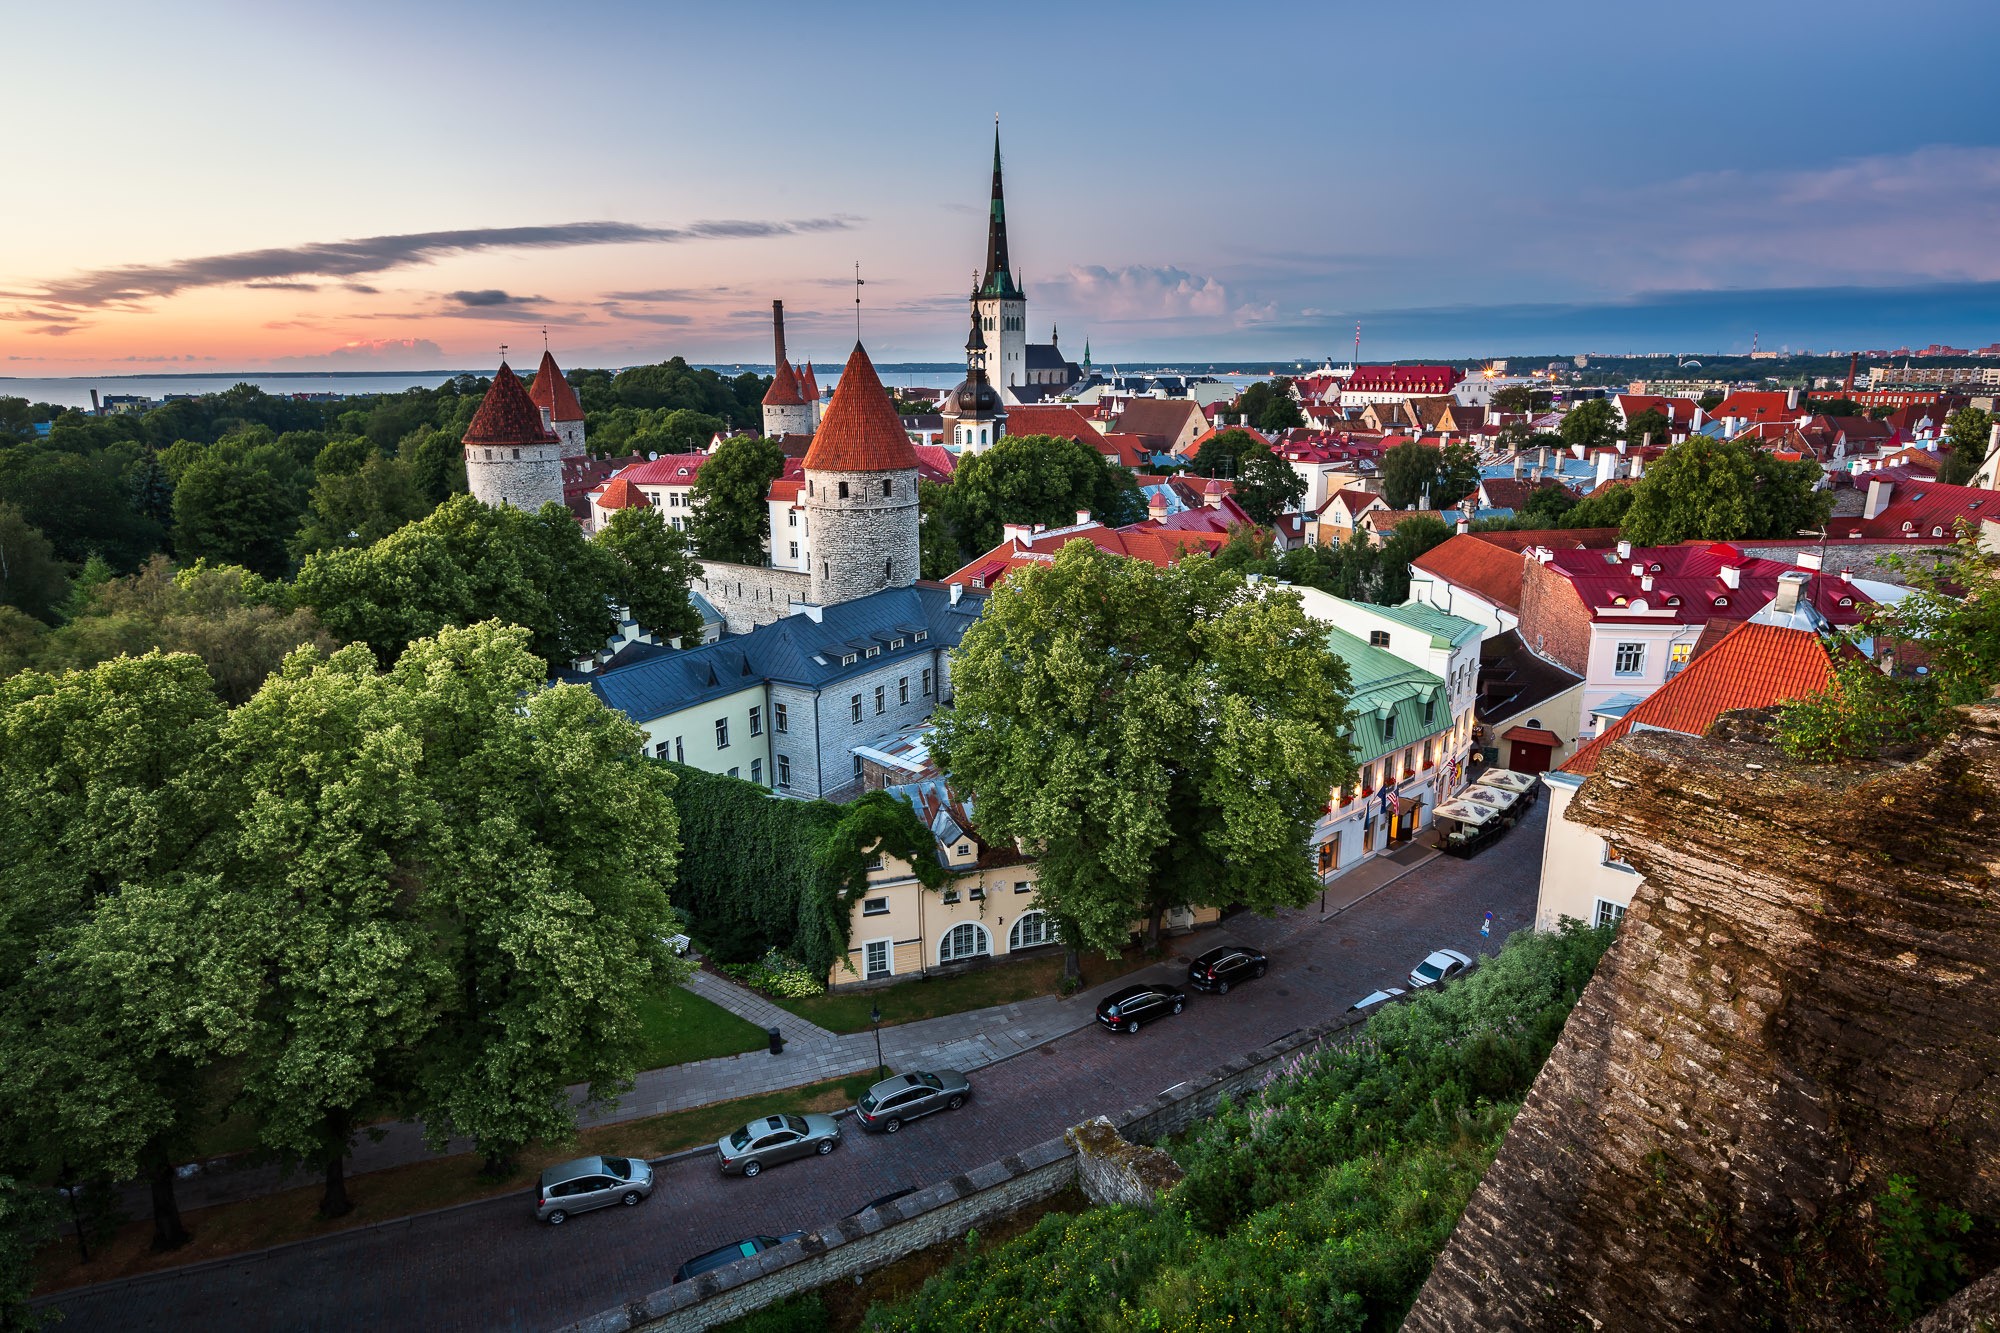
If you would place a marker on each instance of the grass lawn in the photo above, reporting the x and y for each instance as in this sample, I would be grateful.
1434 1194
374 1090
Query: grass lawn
1003 983
681 1026
232 1228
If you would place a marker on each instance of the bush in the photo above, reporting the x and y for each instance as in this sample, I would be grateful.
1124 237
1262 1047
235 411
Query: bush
801 1314
775 974
1919 1247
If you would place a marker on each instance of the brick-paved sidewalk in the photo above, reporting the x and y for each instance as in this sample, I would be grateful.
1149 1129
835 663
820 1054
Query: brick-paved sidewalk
748 1004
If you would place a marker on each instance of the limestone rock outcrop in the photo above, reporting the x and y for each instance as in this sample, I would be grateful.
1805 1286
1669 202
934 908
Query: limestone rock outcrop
1804 1000
1111 1169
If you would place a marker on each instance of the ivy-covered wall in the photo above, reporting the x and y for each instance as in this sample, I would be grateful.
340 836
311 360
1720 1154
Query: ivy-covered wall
760 871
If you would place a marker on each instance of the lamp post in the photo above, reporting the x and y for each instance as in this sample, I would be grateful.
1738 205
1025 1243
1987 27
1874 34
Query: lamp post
875 1018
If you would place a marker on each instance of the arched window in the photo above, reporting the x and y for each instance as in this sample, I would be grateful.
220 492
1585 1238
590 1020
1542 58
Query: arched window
1030 929
967 939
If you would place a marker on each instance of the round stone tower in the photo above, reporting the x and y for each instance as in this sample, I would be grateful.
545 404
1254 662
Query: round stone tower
511 458
786 411
561 412
861 491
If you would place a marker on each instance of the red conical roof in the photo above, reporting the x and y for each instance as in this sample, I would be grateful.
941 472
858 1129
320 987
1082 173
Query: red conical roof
784 390
551 392
861 431
809 384
507 415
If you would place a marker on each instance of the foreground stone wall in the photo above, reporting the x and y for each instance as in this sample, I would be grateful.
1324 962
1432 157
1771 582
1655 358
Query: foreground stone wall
751 595
1803 1001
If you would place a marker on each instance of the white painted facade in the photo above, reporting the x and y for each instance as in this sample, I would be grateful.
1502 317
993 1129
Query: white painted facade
1581 875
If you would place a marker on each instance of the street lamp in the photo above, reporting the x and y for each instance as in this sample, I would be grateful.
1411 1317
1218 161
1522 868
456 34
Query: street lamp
875 1018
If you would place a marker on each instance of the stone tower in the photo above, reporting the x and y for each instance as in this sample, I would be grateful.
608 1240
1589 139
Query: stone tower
511 458
861 491
786 411
999 304
561 412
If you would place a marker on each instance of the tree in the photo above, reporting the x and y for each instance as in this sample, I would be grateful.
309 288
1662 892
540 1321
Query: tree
1222 453
1458 475
1651 425
937 548
1837 407
31 578
679 431
437 463
82 504
653 572
1270 406
1266 485
27 1220
1513 398
1721 490
1157 737
1042 479
732 513
1409 472
1710 400
1966 438
1590 423
234 512
354 508
1411 539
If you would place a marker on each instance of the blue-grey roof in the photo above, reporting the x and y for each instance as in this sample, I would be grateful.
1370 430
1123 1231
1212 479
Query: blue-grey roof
796 650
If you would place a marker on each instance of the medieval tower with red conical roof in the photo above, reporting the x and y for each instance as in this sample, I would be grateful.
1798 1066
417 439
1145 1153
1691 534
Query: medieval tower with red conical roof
786 410
861 491
561 412
511 457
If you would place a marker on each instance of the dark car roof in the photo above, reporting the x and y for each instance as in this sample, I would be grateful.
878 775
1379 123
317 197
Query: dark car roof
1222 950
1127 992
726 1254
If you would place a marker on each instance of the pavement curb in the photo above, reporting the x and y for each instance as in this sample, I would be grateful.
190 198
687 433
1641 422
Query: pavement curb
1410 869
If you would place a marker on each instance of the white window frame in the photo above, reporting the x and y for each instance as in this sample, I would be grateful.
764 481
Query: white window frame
722 733
1618 654
888 969
1605 912
781 719
978 932
1047 928
784 770
869 908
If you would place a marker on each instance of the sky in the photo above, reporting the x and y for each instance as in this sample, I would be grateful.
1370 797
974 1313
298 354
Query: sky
406 185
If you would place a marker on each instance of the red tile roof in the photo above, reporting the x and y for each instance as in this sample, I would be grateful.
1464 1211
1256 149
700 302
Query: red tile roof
1555 539
507 415
551 392
787 490
666 470
1051 419
1688 587
1920 509
860 431
1757 406
1481 568
784 390
1678 411
620 493
808 384
1755 666
935 462
1515 492
1150 541
1402 379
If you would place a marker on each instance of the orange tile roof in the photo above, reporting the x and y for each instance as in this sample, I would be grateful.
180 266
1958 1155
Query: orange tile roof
1754 666
1154 543
618 493
507 415
1481 568
860 431
784 390
551 392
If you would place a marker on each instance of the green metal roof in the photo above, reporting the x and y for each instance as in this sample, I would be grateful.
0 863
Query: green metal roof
1386 689
1446 630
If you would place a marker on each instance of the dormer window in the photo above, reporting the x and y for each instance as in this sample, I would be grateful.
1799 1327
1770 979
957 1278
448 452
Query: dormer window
894 644
1847 601
1389 727
1673 599
847 659
1722 601
1655 568
920 636
965 849
1937 532
872 651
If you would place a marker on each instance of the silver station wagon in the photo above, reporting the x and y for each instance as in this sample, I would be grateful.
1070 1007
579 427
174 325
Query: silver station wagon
774 1139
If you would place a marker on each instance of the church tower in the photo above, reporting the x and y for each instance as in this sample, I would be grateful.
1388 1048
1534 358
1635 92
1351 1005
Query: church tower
999 303
861 491
511 458
561 412
973 410
786 411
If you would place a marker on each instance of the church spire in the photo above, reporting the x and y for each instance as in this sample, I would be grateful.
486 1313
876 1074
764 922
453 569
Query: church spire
999 280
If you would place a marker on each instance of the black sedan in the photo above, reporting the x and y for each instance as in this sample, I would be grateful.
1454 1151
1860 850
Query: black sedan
1224 966
1126 1008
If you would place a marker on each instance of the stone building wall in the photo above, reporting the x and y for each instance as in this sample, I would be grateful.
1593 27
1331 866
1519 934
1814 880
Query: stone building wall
524 476
751 595
863 541
1803 1001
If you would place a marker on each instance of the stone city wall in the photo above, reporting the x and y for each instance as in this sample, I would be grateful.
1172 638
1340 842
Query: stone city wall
751 595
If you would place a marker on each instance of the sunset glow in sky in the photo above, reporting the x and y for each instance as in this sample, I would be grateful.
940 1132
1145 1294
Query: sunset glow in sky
408 185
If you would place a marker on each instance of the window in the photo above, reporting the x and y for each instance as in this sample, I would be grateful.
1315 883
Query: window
920 636
857 768
872 650
854 708
795 550
1612 856
1024 886
843 490
978 894
894 644
848 659
903 690
660 750
784 770
792 521
781 718
722 733
732 773
950 896
887 488
1430 711
927 682
756 721
965 849
757 771
874 907
1389 727
967 939
1030 929
881 698
1630 659
875 958
680 755
1608 913
1378 638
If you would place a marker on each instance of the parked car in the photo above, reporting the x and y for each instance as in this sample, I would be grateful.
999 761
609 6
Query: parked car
1224 966
884 1107
774 1139
1440 966
890 1197
1126 1008
729 1254
590 1182
1373 998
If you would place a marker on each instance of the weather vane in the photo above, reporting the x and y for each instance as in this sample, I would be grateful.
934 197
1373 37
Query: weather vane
857 300
545 337
503 353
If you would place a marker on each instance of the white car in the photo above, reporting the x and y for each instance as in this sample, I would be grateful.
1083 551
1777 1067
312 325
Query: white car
1440 966
1373 998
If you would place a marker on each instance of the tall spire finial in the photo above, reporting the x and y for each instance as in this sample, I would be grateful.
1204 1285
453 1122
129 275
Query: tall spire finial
999 280
857 301
545 337
503 354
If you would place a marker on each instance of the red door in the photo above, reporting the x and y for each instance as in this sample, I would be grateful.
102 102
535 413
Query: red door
1528 758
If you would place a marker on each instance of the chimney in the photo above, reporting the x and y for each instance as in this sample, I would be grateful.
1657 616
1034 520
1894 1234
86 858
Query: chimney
1790 584
1464 526
1576 450
778 329
1082 517
96 408
1698 420
1156 504
1517 467
1638 569
1016 532
1623 446
1607 466
957 591
1624 550
1879 492
1732 576
1638 466
1791 400
1645 582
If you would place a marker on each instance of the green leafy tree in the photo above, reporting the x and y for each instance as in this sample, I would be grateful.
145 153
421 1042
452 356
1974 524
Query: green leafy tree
1409 474
1605 509
234 512
937 547
1710 400
1722 490
1548 507
28 1216
1035 479
82 503
1458 475
342 455
1651 424
1513 398
1837 407
1270 406
362 506
1410 539
437 463
1222 454
1157 737
31 578
732 514
1966 435
678 431
1266 485
1590 423
653 571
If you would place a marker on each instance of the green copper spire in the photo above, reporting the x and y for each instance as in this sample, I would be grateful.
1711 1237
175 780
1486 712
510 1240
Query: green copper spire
999 279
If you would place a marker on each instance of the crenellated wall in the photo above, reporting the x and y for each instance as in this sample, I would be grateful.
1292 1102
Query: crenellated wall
1804 1000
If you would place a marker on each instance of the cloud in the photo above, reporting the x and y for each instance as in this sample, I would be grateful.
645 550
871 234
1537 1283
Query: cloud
126 286
493 296
1141 292
398 353
362 288
283 286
